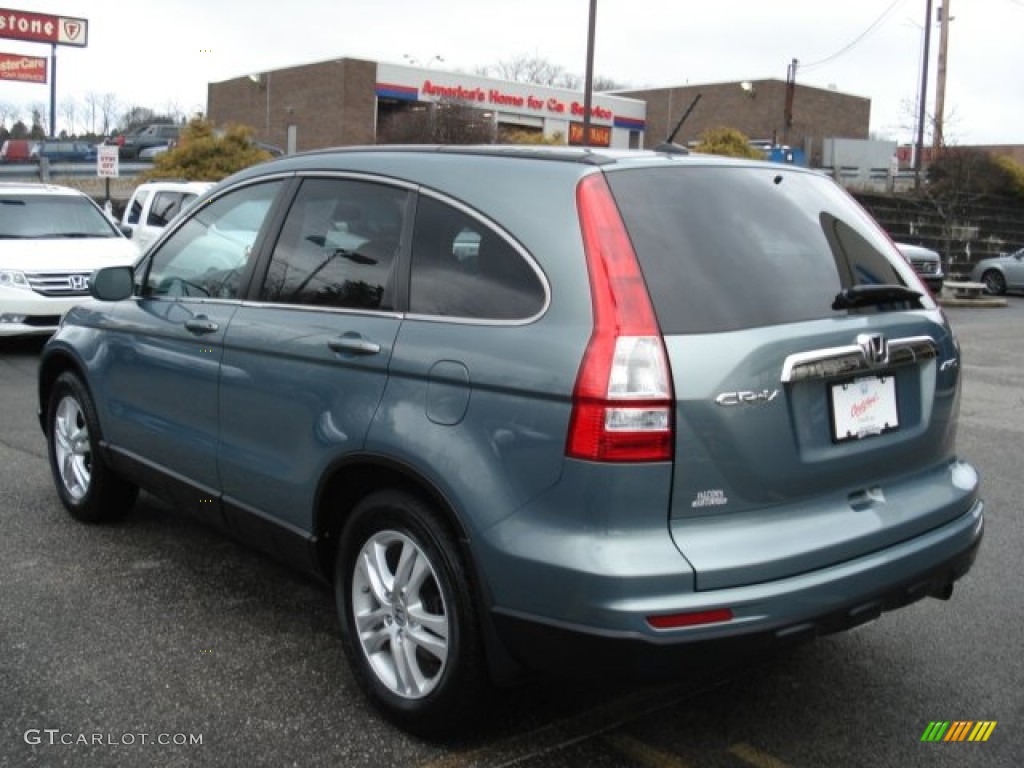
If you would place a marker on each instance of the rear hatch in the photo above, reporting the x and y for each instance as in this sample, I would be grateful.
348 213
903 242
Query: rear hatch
816 382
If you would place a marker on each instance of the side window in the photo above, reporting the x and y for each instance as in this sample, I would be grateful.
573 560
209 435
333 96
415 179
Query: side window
462 268
338 246
209 253
135 207
166 205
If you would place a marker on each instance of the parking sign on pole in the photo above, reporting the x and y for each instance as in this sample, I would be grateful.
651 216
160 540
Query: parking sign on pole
107 161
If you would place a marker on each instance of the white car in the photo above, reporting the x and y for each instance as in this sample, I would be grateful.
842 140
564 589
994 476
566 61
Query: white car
154 204
51 240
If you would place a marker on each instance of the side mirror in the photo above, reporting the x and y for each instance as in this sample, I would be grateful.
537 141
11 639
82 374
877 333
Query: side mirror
111 283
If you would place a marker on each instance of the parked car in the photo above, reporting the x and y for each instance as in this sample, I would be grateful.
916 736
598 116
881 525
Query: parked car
51 240
516 405
64 152
1001 274
17 151
927 263
151 136
154 204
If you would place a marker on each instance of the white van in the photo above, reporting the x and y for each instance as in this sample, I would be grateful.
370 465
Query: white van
155 203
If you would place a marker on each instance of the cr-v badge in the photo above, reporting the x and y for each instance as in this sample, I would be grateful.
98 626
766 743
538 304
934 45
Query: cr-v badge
747 398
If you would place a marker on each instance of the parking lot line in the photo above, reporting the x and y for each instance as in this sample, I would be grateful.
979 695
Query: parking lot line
755 757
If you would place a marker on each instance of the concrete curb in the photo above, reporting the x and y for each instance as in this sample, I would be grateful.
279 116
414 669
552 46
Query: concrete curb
985 302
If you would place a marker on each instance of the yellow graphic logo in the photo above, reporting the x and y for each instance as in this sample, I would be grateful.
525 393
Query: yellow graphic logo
958 730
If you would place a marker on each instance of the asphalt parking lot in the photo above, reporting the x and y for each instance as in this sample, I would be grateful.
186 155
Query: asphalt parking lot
157 641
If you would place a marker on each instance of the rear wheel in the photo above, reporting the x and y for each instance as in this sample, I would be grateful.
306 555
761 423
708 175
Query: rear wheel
87 487
408 616
994 282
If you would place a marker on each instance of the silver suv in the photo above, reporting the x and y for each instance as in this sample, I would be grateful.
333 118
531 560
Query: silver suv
532 409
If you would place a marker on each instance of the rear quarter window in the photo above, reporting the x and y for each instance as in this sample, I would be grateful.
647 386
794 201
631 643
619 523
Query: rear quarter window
462 268
726 248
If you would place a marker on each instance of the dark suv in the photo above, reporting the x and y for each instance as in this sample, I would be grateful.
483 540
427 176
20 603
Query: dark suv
532 409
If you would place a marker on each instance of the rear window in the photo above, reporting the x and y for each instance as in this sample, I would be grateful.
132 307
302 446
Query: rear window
727 248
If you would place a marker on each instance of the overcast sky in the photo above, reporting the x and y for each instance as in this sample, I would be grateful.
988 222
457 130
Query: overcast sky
160 53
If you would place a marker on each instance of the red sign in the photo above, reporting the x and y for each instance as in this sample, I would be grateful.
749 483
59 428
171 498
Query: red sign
42 28
502 98
600 135
26 69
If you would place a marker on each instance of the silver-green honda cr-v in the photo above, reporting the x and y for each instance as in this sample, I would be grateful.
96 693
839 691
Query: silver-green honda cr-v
531 409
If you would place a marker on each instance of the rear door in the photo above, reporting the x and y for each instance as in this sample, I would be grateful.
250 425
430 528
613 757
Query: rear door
805 435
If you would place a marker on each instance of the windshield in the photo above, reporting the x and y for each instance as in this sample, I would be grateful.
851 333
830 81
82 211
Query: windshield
51 216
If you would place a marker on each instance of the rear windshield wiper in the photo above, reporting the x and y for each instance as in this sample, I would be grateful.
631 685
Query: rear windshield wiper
872 295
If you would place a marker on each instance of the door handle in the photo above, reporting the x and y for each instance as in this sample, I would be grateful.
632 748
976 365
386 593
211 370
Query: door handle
201 324
354 344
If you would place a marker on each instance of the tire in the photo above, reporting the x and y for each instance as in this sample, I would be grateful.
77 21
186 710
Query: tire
995 282
87 487
408 616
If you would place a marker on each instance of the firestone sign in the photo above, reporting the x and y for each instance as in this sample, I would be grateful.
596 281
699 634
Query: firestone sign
42 28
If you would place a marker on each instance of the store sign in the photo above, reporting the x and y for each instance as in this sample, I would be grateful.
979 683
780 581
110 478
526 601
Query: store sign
600 135
25 69
498 97
42 28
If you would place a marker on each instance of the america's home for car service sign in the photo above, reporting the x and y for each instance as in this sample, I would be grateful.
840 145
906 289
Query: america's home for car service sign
43 28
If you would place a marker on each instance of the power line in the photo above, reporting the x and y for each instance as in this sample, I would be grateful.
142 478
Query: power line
856 40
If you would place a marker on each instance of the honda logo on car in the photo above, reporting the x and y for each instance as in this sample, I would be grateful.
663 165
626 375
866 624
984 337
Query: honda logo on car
43 28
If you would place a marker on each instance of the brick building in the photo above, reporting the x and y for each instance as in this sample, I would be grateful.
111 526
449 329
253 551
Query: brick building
759 111
351 101
348 101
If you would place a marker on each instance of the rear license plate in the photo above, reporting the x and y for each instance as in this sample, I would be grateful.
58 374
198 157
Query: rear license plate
864 407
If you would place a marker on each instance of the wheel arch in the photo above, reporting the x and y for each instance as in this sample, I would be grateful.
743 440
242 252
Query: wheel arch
348 481
50 368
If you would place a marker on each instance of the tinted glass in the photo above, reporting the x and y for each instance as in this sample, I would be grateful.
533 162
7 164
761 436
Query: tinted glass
208 254
165 207
730 248
338 246
57 216
135 207
462 268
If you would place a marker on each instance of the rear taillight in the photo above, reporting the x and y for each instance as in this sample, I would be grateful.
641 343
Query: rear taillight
622 402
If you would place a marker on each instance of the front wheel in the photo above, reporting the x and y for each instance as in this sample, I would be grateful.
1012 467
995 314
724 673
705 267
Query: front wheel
87 487
994 282
408 616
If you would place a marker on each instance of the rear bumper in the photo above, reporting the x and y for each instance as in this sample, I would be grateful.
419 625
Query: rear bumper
773 614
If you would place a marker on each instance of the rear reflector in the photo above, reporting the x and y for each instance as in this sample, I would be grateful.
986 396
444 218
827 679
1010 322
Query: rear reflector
677 620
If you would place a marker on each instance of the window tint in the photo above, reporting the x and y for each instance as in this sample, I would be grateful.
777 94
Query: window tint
209 253
166 205
135 208
731 248
338 246
461 268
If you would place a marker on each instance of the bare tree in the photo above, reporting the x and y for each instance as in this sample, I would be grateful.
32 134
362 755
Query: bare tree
10 112
531 68
93 103
108 108
69 111
40 123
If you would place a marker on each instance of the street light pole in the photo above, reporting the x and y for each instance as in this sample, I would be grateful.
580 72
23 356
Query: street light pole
924 95
940 79
588 85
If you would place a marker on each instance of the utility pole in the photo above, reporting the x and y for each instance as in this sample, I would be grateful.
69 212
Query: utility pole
938 140
919 147
787 121
588 84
